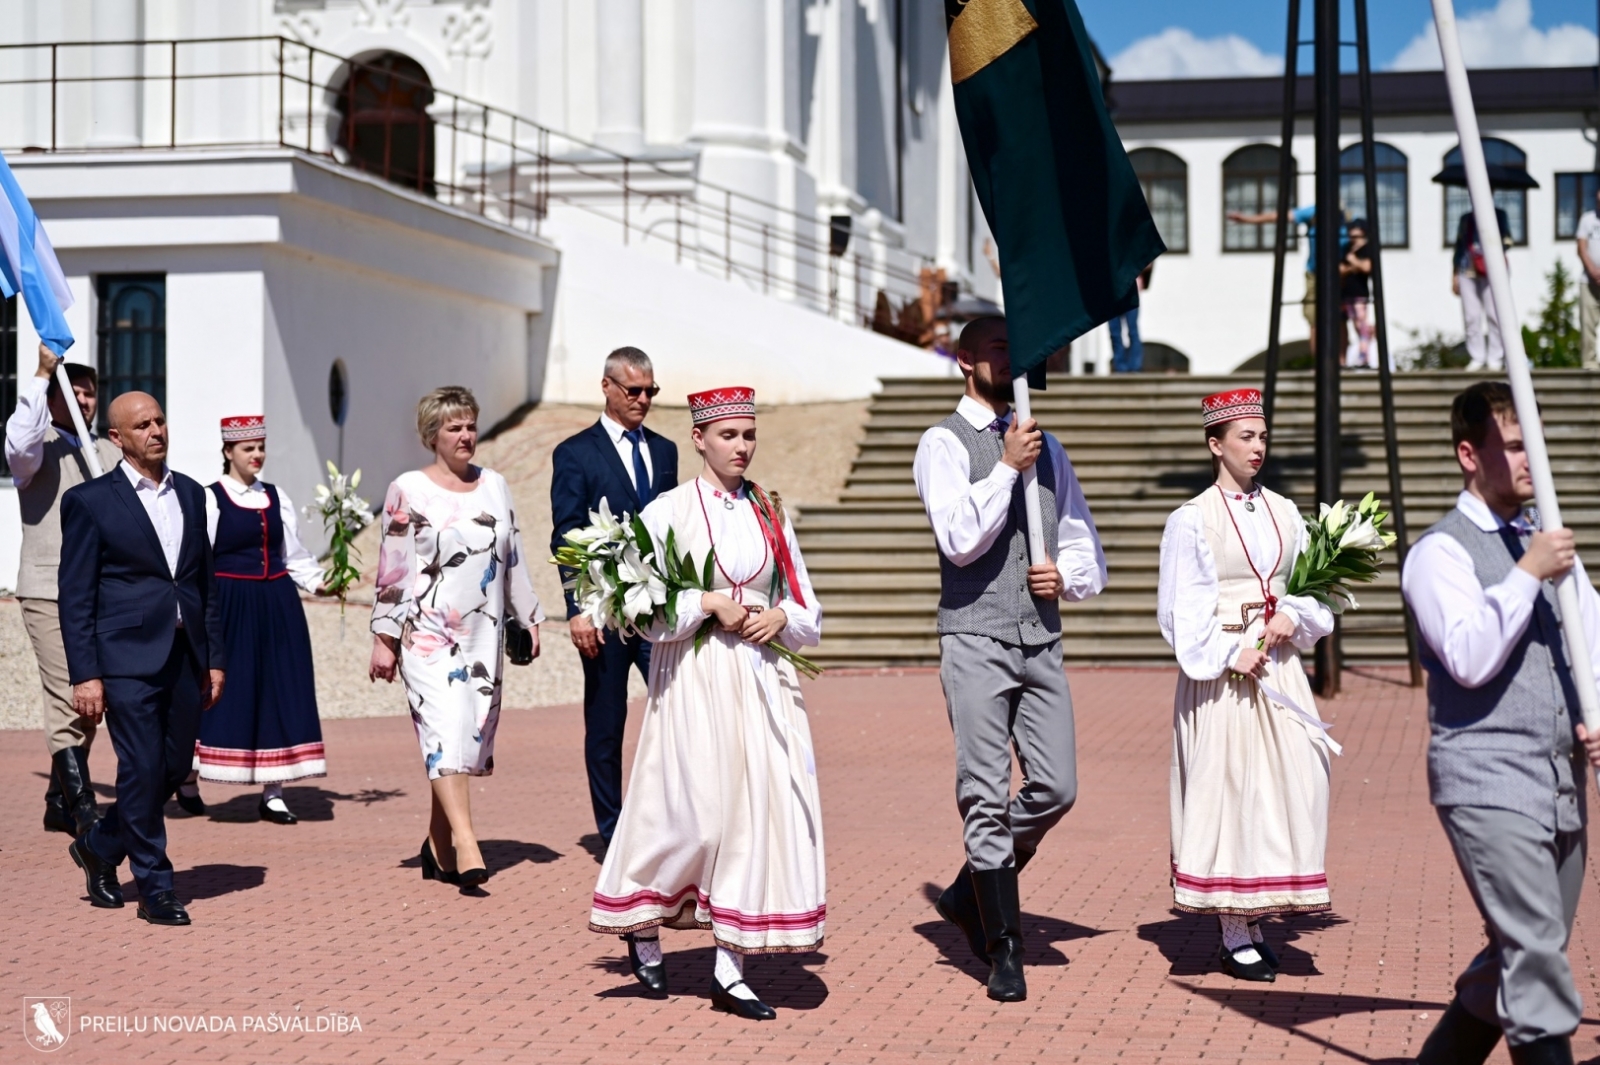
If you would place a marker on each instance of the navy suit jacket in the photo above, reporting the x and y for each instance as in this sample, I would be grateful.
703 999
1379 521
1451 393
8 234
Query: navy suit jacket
586 469
119 602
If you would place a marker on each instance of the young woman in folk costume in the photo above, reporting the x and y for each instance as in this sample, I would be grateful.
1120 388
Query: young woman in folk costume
721 827
1250 757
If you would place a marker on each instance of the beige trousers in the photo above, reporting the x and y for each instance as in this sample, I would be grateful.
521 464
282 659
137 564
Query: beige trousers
63 727
1589 320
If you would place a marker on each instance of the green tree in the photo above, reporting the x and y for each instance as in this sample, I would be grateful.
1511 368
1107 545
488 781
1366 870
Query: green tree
1554 342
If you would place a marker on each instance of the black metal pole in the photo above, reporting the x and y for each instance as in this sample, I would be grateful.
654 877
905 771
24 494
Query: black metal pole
1329 327
1286 176
1391 433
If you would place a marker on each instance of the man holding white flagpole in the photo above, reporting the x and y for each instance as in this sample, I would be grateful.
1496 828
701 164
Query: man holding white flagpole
1506 613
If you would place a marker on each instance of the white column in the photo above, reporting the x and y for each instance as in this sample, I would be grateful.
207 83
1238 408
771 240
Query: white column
620 75
114 105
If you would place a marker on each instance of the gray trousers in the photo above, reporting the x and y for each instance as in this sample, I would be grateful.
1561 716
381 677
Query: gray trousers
998 695
1525 880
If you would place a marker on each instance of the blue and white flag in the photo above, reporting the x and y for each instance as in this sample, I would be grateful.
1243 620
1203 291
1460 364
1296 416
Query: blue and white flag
29 265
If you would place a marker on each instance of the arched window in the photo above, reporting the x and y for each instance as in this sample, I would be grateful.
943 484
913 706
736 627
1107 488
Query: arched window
133 337
1391 167
1514 202
1165 180
384 122
1250 186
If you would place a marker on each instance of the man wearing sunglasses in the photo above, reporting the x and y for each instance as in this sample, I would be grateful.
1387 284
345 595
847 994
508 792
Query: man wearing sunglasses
620 461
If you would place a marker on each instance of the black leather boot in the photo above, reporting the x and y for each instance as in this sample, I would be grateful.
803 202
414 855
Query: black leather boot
56 817
72 771
1551 1050
1460 1039
959 905
1001 910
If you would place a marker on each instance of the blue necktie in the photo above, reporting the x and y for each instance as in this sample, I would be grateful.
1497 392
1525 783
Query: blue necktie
641 473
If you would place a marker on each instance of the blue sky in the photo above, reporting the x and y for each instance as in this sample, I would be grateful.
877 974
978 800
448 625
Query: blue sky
1156 38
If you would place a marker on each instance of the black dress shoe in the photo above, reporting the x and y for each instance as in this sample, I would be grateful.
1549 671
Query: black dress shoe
430 866
958 905
751 1009
1551 1050
99 876
193 805
163 908
277 817
1257 971
471 877
653 977
1460 1038
1267 953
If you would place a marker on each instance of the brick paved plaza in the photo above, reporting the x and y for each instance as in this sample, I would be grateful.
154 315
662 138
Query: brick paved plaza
331 917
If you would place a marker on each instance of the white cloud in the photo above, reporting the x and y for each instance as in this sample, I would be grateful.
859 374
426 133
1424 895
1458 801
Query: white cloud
1177 53
1504 36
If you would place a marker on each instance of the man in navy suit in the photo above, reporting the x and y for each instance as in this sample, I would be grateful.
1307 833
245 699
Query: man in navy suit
620 461
144 645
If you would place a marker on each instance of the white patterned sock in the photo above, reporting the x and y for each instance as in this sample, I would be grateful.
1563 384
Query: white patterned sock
1236 938
269 792
647 944
1256 935
730 971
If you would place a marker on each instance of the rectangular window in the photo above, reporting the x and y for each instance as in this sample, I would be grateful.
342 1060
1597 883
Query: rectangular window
133 337
1574 195
1514 202
8 368
1391 203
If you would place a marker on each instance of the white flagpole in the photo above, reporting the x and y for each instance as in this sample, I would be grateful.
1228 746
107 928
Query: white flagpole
1030 478
1517 371
90 454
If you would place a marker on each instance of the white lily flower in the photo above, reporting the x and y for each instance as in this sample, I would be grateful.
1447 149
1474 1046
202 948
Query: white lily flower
1361 536
636 602
1333 518
600 580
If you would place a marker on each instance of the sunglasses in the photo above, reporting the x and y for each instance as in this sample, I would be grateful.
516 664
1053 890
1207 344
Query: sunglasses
635 391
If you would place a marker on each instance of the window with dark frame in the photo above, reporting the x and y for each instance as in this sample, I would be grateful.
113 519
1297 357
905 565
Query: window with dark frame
1250 186
132 337
8 368
1164 177
1574 196
1514 202
1391 165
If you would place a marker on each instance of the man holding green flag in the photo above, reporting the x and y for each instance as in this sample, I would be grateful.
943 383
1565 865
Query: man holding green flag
1074 233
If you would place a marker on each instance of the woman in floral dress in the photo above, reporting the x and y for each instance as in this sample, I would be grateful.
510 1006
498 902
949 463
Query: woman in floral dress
451 571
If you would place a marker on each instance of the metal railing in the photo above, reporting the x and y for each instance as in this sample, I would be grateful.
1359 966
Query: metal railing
376 116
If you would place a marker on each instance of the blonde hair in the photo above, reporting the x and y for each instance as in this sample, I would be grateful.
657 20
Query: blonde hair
435 408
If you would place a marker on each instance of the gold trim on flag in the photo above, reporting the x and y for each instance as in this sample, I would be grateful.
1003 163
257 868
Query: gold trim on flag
983 32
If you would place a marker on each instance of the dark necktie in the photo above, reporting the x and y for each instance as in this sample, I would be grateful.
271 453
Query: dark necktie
997 426
641 473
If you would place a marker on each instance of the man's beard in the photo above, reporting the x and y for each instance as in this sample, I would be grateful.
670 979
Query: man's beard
993 391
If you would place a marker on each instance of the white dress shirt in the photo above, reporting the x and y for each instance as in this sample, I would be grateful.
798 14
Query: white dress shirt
968 517
300 563
1472 629
1188 589
624 448
26 429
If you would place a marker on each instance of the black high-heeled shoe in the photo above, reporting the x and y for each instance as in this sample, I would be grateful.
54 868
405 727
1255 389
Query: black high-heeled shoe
470 877
430 866
751 1009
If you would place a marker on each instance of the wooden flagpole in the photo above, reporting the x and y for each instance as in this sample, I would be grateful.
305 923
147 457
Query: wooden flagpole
1517 369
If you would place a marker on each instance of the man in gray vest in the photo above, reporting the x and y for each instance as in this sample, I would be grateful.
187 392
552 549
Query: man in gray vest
1000 639
46 459
1504 772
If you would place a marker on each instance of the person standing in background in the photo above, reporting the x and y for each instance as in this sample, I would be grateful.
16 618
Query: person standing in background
46 459
1355 298
1127 356
1469 279
621 462
1589 284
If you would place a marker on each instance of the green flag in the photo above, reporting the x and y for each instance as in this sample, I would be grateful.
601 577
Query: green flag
1066 210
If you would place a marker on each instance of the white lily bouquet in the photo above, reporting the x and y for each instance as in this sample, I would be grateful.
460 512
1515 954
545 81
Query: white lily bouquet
343 514
623 580
1342 548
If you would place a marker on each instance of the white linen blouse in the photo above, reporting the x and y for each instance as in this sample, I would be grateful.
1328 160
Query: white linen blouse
1187 593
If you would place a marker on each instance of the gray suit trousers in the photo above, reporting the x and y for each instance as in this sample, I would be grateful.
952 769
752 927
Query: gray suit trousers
1525 879
999 694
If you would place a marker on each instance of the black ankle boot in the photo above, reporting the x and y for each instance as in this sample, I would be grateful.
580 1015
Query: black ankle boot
1001 909
1460 1039
56 817
71 770
1551 1050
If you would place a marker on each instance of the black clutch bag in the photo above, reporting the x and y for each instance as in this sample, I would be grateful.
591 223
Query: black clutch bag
519 643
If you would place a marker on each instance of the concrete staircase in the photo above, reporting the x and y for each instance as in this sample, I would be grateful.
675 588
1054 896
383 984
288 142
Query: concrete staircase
1137 446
